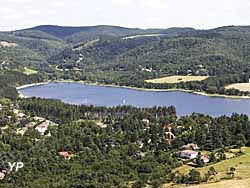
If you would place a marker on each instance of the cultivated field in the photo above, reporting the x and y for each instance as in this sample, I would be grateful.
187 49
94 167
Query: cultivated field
239 86
28 71
177 79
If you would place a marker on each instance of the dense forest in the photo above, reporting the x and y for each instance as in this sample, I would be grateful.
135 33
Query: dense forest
131 150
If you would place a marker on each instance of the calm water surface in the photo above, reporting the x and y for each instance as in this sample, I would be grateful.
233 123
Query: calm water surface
185 103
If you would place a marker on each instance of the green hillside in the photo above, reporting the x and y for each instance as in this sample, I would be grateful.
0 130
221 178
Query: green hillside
128 57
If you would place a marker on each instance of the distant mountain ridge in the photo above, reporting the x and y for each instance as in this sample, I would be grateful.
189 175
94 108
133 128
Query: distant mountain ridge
78 34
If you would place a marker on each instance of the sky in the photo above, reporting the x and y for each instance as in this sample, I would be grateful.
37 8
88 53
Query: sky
199 14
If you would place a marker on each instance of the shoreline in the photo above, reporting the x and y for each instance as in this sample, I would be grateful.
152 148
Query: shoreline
31 85
129 87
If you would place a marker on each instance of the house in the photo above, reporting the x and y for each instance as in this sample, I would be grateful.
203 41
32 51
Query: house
188 154
101 125
191 146
146 121
205 158
140 144
21 115
3 173
66 154
1 107
42 127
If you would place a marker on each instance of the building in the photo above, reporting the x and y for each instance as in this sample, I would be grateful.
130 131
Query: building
42 127
188 154
205 158
66 154
146 121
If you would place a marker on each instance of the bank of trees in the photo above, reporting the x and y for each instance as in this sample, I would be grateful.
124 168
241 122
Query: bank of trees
128 149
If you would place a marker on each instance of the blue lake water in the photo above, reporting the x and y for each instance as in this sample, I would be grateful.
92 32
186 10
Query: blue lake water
185 103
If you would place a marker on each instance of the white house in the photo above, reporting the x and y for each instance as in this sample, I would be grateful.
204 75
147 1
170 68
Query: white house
188 154
41 128
146 121
205 158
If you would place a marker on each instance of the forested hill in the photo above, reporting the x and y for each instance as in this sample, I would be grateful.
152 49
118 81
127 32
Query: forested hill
129 56
78 34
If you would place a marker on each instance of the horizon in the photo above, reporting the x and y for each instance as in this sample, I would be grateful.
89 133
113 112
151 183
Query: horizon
69 26
19 14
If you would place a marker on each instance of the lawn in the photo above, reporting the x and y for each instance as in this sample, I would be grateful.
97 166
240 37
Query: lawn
29 71
242 174
177 79
239 86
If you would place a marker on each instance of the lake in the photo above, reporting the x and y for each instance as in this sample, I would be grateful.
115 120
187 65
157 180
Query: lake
185 103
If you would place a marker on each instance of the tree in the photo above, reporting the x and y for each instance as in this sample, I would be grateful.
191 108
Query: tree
139 184
240 140
156 184
199 160
212 171
231 172
193 177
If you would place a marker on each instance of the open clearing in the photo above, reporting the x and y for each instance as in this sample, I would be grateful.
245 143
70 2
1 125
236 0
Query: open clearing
176 79
245 183
28 71
242 174
239 86
146 35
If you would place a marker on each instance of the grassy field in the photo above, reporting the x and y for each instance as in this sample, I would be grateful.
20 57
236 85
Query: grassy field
239 86
244 183
147 35
177 79
28 71
242 174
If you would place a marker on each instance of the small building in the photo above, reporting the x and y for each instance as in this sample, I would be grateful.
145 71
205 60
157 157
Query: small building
66 154
21 115
41 128
1 107
146 121
101 125
205 158
188 154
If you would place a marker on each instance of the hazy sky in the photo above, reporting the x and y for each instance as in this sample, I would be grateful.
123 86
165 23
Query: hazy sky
16 14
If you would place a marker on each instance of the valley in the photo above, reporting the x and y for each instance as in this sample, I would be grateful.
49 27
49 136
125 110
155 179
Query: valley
107 107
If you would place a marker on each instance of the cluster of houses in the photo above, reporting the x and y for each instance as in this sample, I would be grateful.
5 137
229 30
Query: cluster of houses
39 124
190 152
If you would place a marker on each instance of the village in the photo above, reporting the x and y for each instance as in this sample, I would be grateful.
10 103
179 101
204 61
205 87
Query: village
11 117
